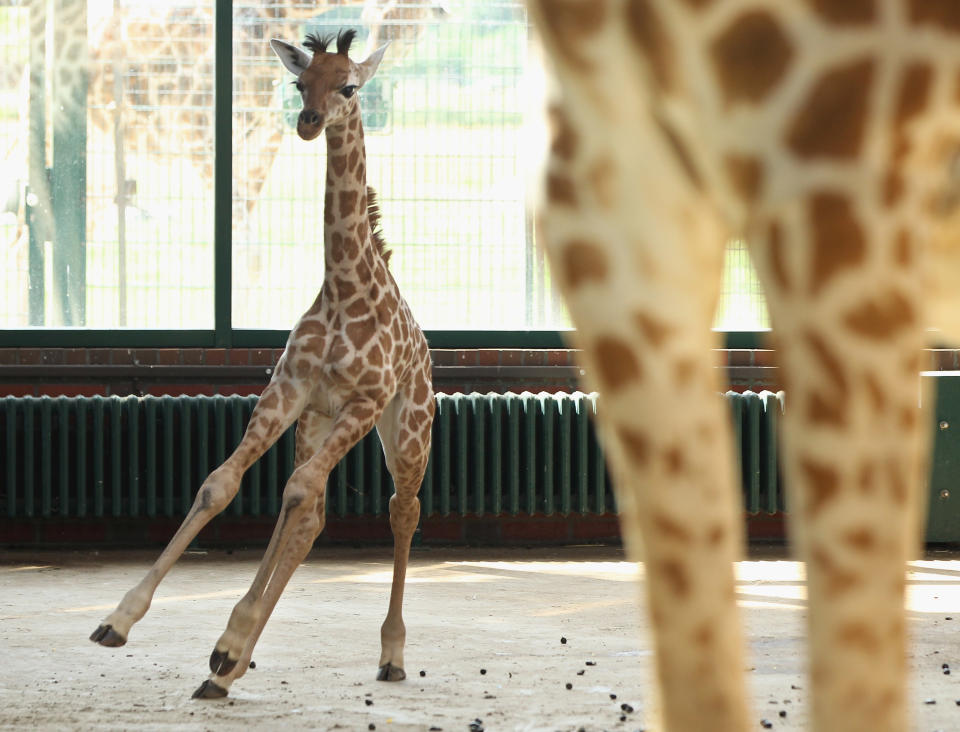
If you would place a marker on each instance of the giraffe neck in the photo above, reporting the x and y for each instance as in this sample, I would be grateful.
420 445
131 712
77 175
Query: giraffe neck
346 232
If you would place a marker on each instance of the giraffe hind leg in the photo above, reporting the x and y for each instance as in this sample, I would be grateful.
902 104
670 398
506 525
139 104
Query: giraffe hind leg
300 522
405 431
313 428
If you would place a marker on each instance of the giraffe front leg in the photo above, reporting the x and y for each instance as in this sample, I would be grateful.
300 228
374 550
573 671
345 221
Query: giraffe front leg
231 656
216 492
270 418
247 618
849 340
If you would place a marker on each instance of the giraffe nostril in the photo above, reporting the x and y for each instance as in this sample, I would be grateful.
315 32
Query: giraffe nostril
310 117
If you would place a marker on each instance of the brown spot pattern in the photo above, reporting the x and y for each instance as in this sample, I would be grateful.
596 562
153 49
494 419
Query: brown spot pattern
567 21
846 12
345 288
878 397
858 635
648 33
943 14
892 187
635 444
881 316
561 189
822 409
670 529
831 364
862 539
269 402
617 364
674 460
602 181
838 239
339 164
563 139
583 262
903 248
898 486
357 308
716 535
831 121
751 57
822 484
685 369
866 477
348 203
654 330
328 214
746 175
777 251
361 331
675 575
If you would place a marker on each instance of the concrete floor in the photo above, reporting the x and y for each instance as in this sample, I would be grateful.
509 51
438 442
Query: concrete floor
485 626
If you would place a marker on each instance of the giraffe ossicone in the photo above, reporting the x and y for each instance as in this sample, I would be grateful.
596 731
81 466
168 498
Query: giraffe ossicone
356 359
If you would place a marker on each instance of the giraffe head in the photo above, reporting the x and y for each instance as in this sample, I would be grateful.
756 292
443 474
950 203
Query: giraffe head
327 82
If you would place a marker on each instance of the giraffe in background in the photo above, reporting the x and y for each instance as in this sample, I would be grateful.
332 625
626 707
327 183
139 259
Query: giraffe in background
355 360
827 134
167 63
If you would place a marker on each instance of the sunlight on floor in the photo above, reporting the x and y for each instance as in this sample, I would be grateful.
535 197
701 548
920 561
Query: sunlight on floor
933 587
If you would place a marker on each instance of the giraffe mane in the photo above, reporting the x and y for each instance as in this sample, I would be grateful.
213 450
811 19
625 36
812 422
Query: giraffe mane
376 231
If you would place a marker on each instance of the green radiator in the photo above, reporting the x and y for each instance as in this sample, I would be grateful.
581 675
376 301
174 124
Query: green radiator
493 454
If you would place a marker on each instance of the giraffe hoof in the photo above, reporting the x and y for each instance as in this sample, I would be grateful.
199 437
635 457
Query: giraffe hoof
209 690
389 672
105 635
220 662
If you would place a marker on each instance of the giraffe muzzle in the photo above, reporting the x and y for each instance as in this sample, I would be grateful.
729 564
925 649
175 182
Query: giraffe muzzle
309 124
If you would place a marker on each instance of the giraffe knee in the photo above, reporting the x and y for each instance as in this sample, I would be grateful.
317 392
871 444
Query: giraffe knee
404 512
298 495
217 491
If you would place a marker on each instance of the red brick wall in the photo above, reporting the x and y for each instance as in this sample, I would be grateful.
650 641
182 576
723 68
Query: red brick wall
456 370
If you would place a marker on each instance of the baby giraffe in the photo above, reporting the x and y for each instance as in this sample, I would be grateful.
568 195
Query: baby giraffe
357 358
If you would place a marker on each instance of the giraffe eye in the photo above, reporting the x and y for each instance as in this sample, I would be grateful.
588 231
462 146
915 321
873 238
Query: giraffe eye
348 91
299 85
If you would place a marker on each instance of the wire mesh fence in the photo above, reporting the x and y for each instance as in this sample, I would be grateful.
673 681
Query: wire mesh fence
448 137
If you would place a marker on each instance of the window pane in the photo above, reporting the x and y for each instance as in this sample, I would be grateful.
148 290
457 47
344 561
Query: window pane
119 111
14 51
742 306
444 128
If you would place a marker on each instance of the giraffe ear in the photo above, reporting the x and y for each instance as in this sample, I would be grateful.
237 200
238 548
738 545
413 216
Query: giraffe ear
368 66
292 57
